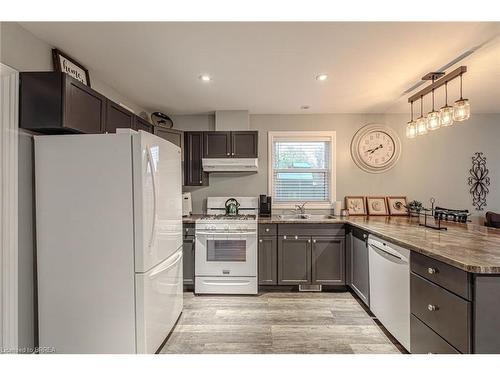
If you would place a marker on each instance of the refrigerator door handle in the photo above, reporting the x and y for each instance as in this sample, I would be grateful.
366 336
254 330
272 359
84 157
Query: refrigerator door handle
164 267
153 180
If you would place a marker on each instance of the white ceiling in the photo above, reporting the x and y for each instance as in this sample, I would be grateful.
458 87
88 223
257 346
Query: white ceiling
271 67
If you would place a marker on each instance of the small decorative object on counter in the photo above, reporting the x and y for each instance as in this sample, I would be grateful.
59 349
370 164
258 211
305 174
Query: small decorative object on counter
355 205
414 207
479 181
232 206
376 206
337 208
344 212
397 206
459 216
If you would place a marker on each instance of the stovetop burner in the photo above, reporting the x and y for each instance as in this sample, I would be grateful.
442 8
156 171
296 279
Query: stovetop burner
228 217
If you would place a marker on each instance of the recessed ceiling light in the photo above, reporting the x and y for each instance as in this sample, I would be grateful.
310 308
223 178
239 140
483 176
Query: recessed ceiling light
205 78
321 77
304 107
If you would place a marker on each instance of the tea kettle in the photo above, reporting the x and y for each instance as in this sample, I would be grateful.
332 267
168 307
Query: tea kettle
232 207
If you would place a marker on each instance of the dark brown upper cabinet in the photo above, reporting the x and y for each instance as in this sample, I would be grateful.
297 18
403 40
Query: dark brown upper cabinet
237 144
193 153
55 103
117 117
217 144
172 135
141 124
244 144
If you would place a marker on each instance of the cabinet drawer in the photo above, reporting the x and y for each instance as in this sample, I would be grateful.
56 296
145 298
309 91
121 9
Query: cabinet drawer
444 312
188 230
311 229
449 277
268 229
424 340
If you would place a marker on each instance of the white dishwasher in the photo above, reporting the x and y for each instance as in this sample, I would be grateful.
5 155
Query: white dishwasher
390 287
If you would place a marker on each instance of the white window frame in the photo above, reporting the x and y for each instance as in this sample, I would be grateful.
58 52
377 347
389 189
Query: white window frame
333 167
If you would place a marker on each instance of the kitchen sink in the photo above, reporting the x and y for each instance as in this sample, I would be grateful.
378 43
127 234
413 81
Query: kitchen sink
305 217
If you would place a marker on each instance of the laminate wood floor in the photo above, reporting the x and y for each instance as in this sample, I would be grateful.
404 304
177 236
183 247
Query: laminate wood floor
277 322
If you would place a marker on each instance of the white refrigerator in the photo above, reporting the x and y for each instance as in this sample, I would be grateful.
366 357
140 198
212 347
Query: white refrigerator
109 241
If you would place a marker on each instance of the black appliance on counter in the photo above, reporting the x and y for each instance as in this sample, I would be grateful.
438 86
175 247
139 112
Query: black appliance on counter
458 216
264 206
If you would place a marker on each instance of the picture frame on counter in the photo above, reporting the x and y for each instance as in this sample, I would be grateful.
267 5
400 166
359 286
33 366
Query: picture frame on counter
397 205
377 206
68 65
356 205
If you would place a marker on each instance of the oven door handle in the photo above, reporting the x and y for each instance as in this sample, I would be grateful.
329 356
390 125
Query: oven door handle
224 233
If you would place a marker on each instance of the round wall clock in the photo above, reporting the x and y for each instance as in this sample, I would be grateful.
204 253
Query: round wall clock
375 148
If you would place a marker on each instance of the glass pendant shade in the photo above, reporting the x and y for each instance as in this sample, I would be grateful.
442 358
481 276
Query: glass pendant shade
461 110
446 114
411 129
421 125
433 120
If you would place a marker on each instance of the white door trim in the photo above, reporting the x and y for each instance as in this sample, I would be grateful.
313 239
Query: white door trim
9 90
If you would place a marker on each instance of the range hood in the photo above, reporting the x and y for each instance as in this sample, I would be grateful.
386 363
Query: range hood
230 164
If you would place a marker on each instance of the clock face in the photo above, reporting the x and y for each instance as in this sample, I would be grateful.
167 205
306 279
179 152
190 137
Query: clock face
375 148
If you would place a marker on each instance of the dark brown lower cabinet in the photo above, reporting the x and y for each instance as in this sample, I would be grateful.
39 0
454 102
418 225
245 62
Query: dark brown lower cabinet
188 260
268 260
294 260
358 265
425 341
327 260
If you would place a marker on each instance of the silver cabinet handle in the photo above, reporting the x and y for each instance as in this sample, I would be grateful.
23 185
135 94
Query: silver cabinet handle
260 240
314 241
194 240
432 271
232 153
187 230
228 154
296 237
201 181
309 241
432 307
284 237
267 229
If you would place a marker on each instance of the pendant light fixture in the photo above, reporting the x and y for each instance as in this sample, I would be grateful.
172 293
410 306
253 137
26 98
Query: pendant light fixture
433 117
461 109
421 123
446 111
411 127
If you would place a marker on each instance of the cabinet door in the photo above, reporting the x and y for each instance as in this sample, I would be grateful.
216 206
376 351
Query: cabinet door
328 260
268 260
188 260
360 277
294 260
84 108
193 152
217 144
141 124
171 135
117 117
244 144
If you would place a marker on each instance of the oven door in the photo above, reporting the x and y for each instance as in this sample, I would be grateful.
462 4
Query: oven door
226 254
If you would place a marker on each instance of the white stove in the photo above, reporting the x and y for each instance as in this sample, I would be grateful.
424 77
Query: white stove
226 248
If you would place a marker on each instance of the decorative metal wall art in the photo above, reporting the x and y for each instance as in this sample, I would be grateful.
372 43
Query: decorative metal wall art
479 181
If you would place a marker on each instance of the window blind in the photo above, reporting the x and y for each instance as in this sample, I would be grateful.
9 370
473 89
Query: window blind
301 170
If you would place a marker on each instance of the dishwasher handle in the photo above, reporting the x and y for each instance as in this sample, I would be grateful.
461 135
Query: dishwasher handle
389 252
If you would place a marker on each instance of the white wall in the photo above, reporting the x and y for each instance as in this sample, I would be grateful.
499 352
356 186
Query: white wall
435 165
22 51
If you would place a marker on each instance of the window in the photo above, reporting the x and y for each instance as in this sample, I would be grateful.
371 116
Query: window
302 168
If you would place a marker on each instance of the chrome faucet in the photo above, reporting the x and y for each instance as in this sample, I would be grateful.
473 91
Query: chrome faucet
300 208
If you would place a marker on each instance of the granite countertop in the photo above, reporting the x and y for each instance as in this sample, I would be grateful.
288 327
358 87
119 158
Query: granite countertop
470 247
